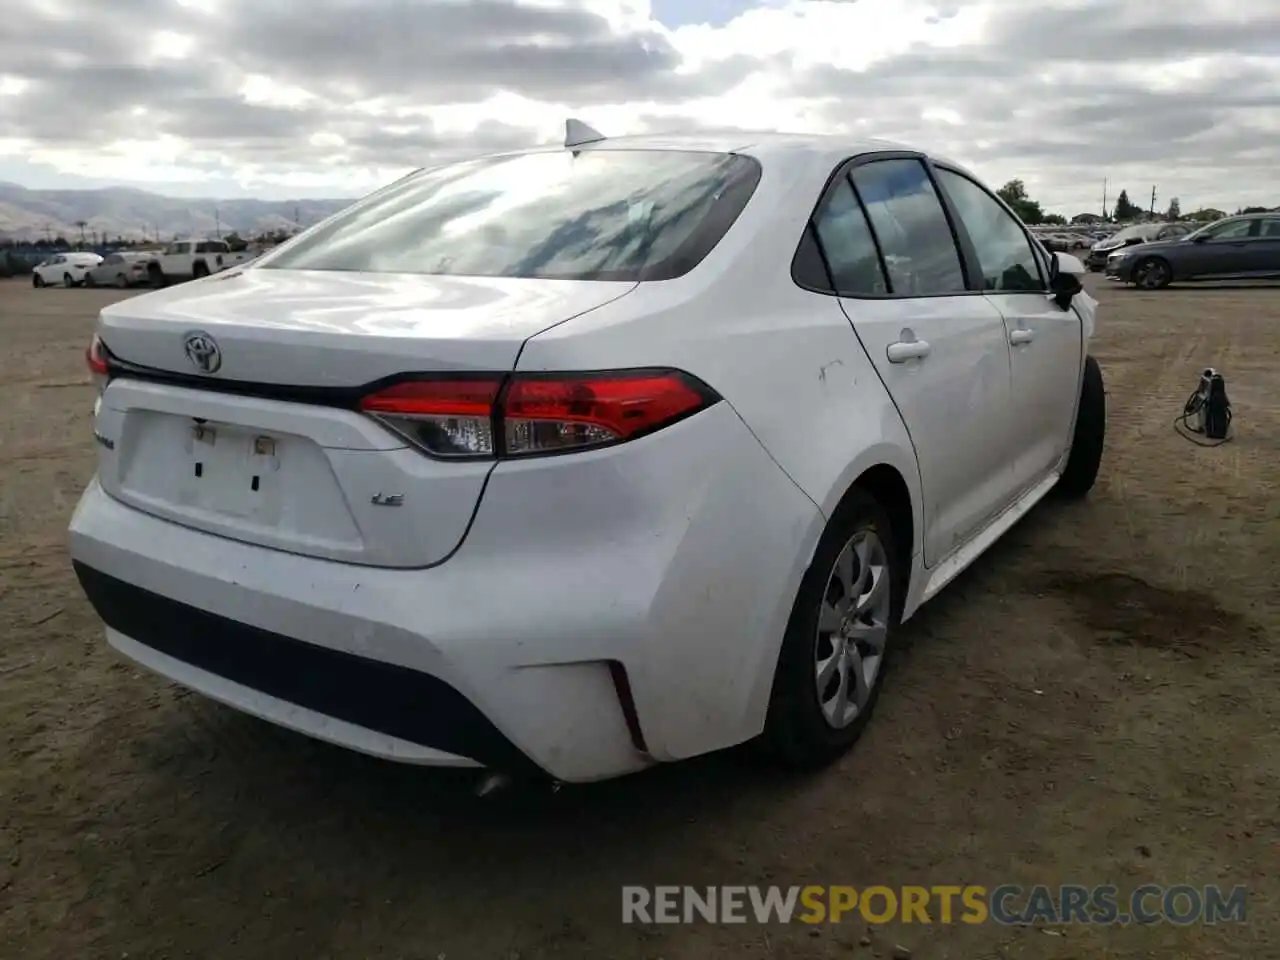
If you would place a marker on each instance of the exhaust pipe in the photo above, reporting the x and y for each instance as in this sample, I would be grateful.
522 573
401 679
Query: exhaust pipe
492 782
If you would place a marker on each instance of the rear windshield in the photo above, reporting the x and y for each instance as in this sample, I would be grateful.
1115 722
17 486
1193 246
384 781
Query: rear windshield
602 215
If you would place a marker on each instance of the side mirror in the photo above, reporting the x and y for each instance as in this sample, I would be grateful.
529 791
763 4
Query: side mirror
1065 273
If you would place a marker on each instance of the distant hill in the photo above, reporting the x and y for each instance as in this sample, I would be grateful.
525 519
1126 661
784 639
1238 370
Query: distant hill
124 212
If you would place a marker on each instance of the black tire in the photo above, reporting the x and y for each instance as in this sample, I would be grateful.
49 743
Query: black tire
68 281
796 733
199 270
1090 434
89 281
1152 273
37 281
156 276
122 281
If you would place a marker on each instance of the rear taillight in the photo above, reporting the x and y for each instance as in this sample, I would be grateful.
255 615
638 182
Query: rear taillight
530 414
96 357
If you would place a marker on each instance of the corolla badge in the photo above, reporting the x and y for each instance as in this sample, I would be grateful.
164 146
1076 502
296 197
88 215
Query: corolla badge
203 352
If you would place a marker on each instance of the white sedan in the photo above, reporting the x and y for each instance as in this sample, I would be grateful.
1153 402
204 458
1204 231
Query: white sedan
574 461
67 269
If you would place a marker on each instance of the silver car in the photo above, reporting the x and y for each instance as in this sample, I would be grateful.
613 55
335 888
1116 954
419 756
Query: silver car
122 269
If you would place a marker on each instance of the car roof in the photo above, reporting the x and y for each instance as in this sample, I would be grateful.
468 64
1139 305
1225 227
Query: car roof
802 154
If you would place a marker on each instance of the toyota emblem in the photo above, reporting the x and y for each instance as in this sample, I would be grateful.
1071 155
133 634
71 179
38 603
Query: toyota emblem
203 352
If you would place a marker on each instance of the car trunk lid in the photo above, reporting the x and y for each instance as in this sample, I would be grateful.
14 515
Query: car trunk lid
254 433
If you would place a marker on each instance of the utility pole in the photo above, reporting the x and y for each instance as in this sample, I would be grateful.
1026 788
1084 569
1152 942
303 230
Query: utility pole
1152 211
217 223
1104 199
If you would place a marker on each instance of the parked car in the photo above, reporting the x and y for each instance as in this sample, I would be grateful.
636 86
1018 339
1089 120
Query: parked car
573 462
67 269
1236 248
123 269
191 260
1138 233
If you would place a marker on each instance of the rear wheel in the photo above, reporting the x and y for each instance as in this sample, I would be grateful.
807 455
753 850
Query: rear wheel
155 275
122 281
68 280
1085 458
89 281
199 270
833 655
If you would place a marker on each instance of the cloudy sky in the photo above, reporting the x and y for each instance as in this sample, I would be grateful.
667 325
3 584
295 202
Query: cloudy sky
282 98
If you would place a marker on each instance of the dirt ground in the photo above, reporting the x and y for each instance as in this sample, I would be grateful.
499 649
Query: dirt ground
1094 702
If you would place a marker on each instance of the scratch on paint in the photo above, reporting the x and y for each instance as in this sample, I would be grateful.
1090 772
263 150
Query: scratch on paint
822 370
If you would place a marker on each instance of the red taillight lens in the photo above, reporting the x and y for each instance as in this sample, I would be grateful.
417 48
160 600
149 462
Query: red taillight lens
96 357
541 415
535 414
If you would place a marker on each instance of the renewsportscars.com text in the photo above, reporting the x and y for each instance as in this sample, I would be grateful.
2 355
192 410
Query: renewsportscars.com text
1008 904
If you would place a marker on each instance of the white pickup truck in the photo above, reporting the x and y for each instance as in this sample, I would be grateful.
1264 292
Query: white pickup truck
191 260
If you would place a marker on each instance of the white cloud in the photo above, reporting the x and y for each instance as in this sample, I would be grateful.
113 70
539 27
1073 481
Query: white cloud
334 96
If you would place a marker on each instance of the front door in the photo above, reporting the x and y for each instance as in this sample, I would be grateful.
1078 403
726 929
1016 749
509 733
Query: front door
940 350
1220 251
1046 341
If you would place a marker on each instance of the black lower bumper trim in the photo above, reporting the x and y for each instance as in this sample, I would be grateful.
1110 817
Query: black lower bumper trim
384 697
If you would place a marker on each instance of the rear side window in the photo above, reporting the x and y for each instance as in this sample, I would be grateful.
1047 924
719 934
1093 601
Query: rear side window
600 215
850 249
915 238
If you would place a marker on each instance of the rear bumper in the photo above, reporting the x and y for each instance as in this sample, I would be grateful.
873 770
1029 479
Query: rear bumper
606 611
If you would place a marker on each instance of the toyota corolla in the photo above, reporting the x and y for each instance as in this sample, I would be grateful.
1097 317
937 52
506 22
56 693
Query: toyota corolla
578 460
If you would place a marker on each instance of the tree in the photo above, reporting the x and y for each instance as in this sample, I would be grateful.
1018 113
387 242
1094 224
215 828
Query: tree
1014 193
1255 210
1125 210
1206 215
1085 218
235 243
1175 210
1057 219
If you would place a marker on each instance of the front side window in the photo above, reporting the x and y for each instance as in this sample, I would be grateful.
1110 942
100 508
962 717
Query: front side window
915 239
1228 230
600 215
847 244
1006 257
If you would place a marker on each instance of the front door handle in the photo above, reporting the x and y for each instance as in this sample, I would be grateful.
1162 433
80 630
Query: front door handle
1021 335
905 350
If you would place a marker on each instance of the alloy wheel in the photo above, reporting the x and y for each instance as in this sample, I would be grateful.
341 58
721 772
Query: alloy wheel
853 625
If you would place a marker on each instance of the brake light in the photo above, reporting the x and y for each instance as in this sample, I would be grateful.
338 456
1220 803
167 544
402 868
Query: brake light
530 414
96 357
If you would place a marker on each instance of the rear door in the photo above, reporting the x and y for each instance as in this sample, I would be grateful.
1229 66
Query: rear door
1264 254
1045 340
939 348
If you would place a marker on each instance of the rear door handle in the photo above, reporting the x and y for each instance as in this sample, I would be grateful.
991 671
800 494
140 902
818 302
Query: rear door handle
1021 335
905 350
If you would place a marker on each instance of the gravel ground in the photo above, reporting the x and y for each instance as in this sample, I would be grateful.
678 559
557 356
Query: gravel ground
1094 702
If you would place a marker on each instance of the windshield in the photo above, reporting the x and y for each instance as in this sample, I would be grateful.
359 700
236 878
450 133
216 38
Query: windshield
1137 231
601 215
